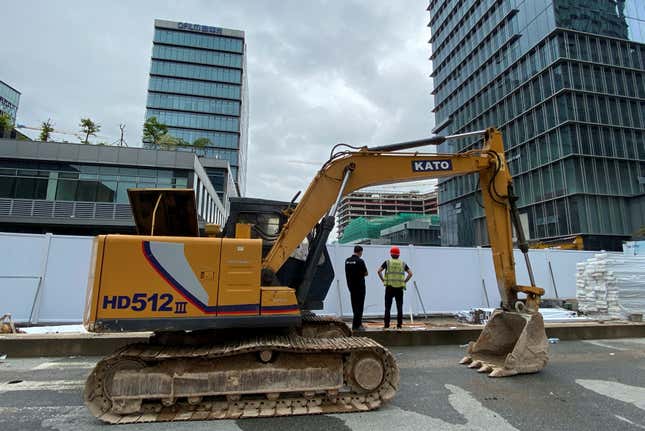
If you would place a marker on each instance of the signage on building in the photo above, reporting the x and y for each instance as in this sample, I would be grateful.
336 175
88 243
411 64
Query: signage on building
199 27
431 165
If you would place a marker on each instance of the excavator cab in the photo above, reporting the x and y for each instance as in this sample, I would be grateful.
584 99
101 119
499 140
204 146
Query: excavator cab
266 219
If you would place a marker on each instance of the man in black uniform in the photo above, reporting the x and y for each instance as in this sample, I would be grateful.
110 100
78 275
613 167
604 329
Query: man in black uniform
355 273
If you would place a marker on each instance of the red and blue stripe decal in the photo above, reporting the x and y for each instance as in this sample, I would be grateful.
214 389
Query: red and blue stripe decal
241 309
280 309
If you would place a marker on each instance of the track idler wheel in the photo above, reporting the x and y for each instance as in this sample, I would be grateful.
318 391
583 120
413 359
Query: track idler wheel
98 388
365 371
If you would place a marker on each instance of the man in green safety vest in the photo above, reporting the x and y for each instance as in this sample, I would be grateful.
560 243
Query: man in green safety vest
394 281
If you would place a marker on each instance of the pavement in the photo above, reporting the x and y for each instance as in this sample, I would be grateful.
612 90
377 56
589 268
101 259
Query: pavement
434 331
588 385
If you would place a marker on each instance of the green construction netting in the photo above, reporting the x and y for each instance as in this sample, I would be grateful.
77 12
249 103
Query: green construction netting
362 227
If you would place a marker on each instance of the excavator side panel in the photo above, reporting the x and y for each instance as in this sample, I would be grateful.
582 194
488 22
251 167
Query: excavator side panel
239 280
144 283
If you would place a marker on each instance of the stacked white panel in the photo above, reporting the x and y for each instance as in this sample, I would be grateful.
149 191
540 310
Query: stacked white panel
611 284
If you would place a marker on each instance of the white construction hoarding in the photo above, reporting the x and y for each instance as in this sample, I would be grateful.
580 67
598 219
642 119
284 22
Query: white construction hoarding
43 278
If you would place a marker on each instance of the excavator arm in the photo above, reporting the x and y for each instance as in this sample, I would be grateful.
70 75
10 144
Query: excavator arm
348 171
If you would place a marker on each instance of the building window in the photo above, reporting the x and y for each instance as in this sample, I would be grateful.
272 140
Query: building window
77 182
196 56
197 121
195 104
197 88
199 40
193 71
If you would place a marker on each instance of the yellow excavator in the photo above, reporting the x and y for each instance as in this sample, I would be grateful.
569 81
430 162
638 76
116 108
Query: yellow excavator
234 334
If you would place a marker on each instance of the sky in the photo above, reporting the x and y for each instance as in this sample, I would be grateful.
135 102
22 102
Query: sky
319 72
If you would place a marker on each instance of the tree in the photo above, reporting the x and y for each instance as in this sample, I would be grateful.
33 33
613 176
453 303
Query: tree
89 127
168 142
6 124
153 131
46 128
202 142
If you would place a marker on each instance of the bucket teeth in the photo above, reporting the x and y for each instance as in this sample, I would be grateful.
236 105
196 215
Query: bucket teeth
486 368
497 372
466 360
475 364
502 372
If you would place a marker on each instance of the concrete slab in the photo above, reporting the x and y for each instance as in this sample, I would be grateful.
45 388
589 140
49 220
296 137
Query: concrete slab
464 333
41 345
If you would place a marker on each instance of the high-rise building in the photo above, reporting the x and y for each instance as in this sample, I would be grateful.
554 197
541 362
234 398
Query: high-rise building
9 99
198 88
377 204
564 80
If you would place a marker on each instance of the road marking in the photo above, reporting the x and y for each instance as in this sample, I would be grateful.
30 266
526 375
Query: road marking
31 411
623 344
605 345
478 417
62 365
52 385
80 419
474 412
629 422
628 394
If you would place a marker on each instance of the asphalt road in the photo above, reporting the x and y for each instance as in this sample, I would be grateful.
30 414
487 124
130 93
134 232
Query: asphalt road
588 385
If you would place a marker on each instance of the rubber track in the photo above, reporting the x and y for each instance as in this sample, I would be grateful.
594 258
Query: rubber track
316 321
258 405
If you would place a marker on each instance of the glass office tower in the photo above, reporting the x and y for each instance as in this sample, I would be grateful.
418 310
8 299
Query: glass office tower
564 80
198 88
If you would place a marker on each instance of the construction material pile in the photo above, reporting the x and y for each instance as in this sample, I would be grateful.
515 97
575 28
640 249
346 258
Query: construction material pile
611 285
551 315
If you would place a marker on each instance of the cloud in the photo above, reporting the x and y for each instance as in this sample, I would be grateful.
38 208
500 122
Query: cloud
320 72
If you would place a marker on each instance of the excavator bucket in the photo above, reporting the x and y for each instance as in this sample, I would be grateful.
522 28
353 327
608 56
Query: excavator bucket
511 343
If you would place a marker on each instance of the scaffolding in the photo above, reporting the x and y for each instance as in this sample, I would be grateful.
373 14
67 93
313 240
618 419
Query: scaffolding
370 228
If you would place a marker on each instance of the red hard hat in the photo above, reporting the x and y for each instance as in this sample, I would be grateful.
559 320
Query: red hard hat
395 251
